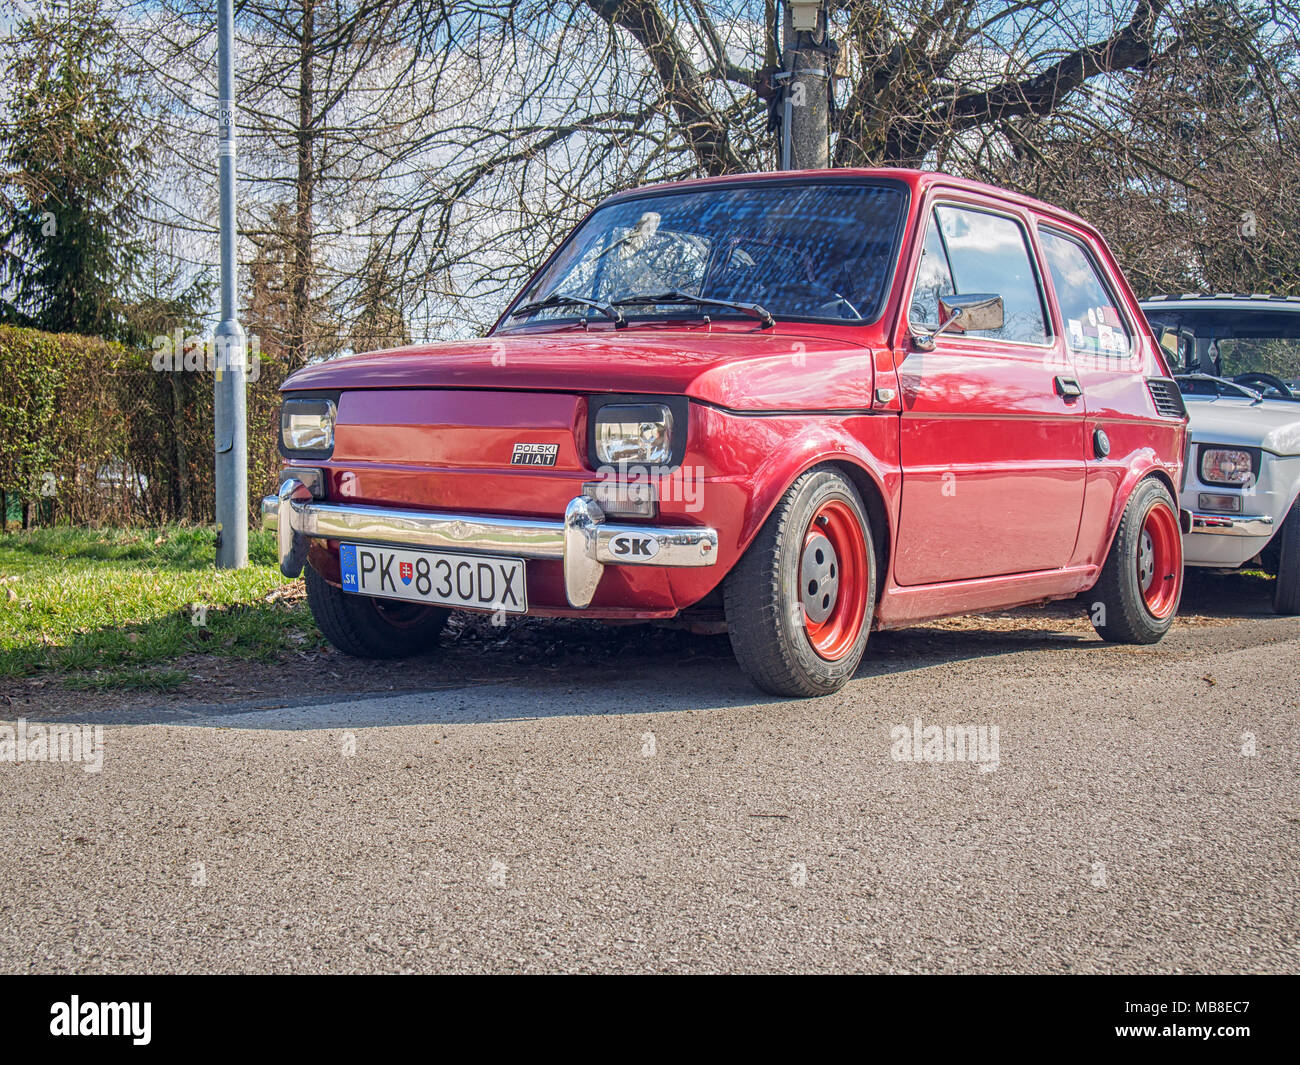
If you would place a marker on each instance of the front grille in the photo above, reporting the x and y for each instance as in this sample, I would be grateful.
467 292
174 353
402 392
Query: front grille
1166 396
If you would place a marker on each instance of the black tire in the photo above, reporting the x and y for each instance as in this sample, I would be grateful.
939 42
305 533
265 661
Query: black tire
1118 607
1286 590
766 614
364 627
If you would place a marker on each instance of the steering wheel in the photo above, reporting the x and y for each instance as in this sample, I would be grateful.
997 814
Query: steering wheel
1267 380
829 303
838 305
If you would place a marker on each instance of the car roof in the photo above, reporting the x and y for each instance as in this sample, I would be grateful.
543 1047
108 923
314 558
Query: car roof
1224 301
1228 315
918 181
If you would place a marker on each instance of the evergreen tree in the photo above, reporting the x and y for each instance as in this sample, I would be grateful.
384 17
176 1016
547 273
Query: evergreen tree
75 157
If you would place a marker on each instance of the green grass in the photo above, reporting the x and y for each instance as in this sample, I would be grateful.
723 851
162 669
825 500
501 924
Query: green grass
134 680
106 608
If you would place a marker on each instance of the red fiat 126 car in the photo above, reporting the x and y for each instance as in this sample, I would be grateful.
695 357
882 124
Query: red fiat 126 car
800 405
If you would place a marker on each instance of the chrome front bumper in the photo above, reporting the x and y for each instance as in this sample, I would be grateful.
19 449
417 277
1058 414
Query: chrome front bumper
584 541
1233 525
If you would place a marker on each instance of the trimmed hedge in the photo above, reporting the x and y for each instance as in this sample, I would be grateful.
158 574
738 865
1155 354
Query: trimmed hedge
95 434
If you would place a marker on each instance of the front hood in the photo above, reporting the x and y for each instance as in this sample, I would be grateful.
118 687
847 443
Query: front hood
1273 424
747 370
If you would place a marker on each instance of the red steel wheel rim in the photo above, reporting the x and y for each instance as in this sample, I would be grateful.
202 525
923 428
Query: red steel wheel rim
1160 561
833 584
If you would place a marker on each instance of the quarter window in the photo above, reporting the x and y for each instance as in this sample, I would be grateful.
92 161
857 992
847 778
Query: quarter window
933 279
968 251
1093 323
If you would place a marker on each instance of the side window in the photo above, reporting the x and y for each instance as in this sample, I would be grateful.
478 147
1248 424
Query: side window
1092 320
990 253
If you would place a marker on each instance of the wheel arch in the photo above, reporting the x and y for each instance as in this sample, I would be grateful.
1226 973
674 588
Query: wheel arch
849 457
1143 466
877 514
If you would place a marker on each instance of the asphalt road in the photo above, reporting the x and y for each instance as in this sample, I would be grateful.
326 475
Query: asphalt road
651 815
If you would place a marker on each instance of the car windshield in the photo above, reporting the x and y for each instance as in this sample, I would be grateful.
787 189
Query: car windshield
801 250
1252 347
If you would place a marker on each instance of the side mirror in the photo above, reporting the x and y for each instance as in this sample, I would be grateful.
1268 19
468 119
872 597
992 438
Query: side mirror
975 311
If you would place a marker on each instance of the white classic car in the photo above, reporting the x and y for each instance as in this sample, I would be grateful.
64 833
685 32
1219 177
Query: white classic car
1237 363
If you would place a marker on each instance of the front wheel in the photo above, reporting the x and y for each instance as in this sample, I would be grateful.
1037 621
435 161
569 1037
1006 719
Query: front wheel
799 602
1286 591
1137 595
364 627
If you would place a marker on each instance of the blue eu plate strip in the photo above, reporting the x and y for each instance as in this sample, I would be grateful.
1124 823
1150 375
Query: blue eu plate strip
348 566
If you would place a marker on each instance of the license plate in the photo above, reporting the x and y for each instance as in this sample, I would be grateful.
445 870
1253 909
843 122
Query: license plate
480 582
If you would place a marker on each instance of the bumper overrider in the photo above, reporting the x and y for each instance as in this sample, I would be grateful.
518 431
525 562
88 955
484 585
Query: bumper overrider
583 540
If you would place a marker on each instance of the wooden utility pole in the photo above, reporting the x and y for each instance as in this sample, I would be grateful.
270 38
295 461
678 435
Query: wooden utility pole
807 63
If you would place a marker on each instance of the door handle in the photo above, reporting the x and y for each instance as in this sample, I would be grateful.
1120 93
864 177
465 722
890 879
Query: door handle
1068 388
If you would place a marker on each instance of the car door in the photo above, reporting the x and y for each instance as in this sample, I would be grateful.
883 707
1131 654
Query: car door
992 451
1102 342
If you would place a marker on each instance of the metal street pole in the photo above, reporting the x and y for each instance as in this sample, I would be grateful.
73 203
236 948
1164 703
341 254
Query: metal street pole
808 61
230 386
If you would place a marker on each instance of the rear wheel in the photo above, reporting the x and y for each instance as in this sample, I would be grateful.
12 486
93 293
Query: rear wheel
365 627
799 603
1286 591
1136 597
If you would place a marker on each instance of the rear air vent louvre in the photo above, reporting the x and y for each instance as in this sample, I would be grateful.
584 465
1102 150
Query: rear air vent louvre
1166 396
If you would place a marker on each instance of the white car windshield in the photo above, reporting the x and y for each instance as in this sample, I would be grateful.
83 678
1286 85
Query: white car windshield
1254 348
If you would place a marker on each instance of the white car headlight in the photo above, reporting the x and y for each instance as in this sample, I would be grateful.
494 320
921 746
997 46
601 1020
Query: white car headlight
308 424
1226 465
638 433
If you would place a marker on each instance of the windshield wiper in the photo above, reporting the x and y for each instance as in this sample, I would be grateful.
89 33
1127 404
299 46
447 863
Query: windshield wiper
751 309
560 299
1255 397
